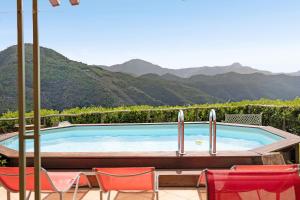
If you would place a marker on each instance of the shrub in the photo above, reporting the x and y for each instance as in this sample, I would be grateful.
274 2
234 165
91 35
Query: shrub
9 119
3 162
280 114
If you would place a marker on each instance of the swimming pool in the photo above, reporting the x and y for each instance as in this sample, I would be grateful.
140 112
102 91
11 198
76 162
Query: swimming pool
146 138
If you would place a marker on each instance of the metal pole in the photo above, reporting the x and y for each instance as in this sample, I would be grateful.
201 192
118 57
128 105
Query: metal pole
212 132
21 101
215 136
180 132
182 138
36 101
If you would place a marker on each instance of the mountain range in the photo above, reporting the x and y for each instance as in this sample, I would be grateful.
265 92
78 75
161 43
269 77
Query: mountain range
137 67
66 83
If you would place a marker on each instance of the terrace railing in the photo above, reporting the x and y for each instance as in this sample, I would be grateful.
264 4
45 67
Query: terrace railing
250 119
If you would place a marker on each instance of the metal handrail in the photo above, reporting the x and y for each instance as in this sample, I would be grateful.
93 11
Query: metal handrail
212 132
180 132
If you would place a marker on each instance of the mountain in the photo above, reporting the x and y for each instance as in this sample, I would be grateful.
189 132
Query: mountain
66 83
137 67
294 73
235 87
212 71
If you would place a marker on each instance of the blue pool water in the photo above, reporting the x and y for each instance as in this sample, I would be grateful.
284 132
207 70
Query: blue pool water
137 138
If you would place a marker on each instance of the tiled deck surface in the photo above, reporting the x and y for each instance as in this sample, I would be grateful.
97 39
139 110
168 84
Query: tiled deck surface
93 194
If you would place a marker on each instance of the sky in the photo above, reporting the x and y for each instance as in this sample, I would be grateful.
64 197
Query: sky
264 34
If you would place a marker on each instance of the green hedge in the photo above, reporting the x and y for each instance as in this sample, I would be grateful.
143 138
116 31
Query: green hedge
286 118
280 114
3 162
9 120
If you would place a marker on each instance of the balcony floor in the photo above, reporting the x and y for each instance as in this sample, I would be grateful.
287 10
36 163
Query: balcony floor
93 194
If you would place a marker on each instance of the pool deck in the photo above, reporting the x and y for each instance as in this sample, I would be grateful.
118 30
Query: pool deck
93 194
159 159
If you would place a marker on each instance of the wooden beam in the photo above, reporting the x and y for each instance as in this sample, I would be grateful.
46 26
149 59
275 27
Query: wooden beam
36 101
21 100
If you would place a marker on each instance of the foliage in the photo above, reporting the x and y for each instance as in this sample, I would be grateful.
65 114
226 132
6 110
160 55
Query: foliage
261 102
44 112
48 117
3 162
280 114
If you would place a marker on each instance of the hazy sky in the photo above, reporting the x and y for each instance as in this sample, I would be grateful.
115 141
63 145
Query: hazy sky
173 33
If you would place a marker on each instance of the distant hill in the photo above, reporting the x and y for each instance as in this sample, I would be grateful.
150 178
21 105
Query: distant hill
212 71
138 67
295 73
67 83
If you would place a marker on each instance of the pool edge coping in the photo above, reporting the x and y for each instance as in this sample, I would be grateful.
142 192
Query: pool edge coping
289 140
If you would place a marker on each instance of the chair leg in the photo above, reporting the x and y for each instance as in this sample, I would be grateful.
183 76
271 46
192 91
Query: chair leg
28 197
199 179
108 196
101 195
156 190
88 181
8 195
76 189
156 195
61 195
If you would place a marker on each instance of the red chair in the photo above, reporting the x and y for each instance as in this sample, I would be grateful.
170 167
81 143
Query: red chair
127 179
202 181
51 182
252 185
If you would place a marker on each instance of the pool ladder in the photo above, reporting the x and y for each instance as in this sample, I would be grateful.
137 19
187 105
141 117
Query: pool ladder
212 132
180 133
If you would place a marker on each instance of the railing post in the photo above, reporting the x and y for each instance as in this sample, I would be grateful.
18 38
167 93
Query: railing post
212 132
21 101
180 132
36 100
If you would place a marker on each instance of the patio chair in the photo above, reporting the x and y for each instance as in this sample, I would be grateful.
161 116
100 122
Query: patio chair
202 180
273 158
51 182
127 179
252 185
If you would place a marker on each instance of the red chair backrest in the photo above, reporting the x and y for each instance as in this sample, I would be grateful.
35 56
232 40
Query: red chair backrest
9 178
251 185
138 182
264 167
